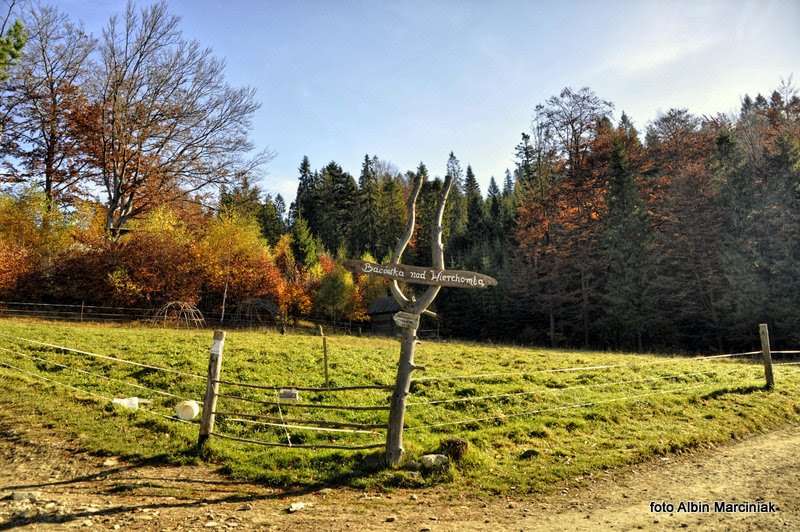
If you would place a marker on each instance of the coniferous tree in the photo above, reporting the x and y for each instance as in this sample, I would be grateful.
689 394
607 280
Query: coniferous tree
495 200
337 198
456 211
475 240
304 246
626 241
244 199
306 200
12 41
392 217
270 220
366 225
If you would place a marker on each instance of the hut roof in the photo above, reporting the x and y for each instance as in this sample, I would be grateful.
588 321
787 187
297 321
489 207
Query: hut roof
383 305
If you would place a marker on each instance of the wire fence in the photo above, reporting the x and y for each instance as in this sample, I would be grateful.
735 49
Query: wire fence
43 356
253 411
71 312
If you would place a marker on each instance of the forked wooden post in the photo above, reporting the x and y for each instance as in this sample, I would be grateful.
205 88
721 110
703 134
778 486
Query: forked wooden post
766 355
408 319
412 307
212 388
324 355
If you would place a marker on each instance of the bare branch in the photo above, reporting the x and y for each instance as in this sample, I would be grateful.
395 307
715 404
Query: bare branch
437 247
403 241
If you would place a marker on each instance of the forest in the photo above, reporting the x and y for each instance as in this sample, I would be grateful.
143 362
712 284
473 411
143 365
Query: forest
128 177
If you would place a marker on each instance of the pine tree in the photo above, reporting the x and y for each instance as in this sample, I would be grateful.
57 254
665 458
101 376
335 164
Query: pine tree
11 44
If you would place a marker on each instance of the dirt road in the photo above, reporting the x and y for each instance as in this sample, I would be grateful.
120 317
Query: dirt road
47 484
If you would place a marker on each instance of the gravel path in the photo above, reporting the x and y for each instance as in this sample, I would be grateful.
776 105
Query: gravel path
45 483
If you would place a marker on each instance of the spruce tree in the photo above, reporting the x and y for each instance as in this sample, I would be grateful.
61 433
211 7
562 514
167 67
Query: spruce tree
304 246
336 201
392 217
625 246
270 220
244 199
475 229
306 201
456 211
494 198
366 225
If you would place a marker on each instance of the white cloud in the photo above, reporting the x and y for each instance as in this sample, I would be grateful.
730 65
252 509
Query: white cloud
650 57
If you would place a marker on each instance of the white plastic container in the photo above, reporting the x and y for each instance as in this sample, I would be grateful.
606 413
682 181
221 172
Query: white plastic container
187 410
129 402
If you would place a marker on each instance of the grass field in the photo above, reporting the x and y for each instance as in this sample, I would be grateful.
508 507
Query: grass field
643 406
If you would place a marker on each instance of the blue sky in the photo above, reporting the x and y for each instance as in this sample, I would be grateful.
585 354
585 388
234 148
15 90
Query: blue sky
411 81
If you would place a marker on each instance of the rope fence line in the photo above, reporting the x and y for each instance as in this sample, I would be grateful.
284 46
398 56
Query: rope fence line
553 409
63 313
348 424
287 426
577 386
283 422
99 376
576 369
302 405
106 357
20 303
97 395
299 446
306 388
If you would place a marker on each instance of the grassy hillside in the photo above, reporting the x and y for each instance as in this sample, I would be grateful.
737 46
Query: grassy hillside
658 405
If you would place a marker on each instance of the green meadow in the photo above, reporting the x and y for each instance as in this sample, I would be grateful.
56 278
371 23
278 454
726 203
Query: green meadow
526 426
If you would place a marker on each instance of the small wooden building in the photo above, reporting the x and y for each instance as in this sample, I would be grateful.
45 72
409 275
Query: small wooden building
380 313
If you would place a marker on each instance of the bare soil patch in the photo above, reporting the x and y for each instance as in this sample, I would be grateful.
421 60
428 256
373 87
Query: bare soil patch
49 483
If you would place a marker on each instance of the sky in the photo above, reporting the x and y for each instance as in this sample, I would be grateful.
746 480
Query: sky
411 81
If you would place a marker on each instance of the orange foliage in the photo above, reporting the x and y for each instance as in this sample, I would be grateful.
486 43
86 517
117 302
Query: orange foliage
14 264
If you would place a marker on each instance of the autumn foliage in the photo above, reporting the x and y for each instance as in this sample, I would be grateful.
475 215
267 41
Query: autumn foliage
163 258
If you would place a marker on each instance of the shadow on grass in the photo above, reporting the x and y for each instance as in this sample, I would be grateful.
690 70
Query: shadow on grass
741 390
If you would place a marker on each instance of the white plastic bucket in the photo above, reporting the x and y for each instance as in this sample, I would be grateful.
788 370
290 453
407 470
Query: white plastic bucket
187 410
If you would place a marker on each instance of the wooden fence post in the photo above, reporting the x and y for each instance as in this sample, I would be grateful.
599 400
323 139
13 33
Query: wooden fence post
766 355
212 388
324 354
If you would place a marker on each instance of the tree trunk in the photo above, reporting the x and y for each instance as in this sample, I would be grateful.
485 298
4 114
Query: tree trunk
394 436
585 307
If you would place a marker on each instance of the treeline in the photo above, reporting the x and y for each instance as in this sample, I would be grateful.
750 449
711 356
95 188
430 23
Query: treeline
684 237
129 180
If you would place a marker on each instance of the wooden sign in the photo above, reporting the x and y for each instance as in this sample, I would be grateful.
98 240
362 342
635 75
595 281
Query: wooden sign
406 320
419 275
